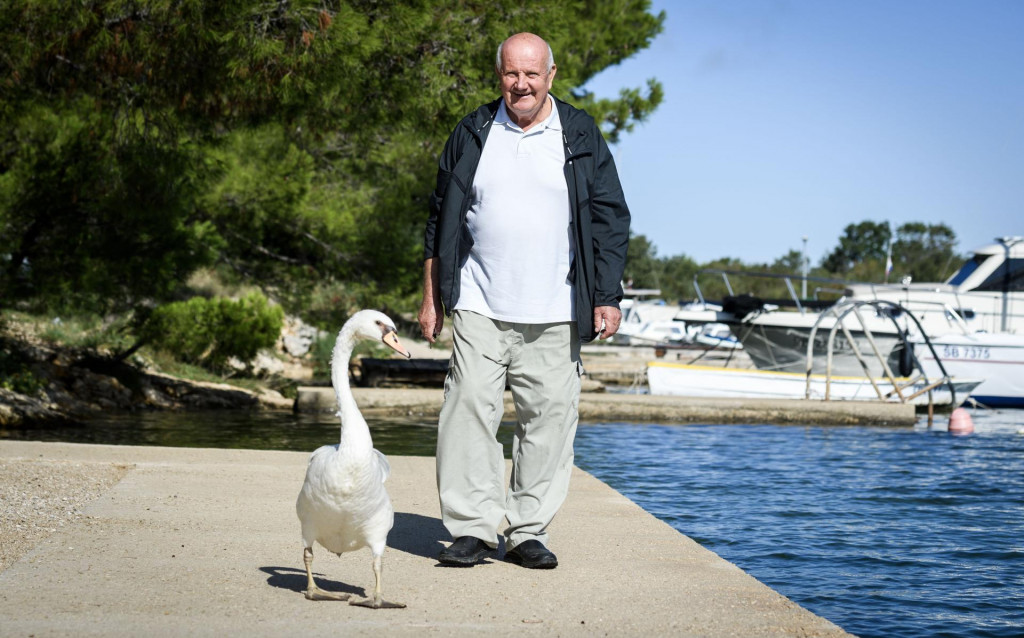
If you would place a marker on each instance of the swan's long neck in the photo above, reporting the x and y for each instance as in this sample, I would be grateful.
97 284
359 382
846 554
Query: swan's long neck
354 433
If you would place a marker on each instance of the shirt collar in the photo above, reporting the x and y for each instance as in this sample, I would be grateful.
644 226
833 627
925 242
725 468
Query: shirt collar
552 122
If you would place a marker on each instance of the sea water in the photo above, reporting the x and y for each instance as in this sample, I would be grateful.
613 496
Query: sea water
884 531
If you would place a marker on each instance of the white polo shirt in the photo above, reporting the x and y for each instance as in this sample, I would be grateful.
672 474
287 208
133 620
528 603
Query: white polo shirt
519 218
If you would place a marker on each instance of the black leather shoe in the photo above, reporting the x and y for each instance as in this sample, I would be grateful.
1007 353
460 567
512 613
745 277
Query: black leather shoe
532 554
466 551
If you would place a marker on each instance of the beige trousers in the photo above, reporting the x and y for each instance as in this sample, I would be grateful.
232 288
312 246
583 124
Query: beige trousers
542 365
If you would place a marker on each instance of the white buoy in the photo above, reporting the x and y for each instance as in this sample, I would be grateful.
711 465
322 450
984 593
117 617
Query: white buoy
960 422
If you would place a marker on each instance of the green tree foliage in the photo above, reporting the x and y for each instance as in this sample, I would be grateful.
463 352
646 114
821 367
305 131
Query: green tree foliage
16 370
84 217
924 252
792 262
643 269
677 274
860 244
291 142
208 332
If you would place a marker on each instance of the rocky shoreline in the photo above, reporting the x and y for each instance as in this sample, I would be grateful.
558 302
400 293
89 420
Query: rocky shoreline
77 384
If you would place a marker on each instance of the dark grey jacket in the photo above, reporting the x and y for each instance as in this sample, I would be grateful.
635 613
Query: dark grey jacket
600 218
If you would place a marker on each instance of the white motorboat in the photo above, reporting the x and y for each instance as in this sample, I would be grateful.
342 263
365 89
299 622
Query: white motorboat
716 336
705 381
996 358
980 307
649 322
986 293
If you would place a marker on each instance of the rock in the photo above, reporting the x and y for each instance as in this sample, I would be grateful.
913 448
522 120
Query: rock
236 364
77 384
21 410
266 364
274 399
297 337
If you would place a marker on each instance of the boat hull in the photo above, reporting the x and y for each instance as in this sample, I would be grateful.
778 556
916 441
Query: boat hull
783 347
703 381
996 358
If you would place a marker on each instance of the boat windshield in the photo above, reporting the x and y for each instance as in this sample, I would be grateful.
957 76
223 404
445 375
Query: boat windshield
1009 277
967 270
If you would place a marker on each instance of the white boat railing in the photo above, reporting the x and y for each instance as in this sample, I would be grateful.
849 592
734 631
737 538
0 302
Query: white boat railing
890 310
837 287
794 299
841 309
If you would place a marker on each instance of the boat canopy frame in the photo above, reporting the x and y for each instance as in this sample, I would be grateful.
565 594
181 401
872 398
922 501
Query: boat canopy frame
844 308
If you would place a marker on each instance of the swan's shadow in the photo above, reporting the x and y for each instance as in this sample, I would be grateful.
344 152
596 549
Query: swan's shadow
295 580
412 533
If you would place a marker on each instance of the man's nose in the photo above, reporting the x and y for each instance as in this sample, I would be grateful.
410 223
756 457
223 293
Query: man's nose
521 81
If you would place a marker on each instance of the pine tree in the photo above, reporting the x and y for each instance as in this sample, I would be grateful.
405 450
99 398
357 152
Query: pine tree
293 142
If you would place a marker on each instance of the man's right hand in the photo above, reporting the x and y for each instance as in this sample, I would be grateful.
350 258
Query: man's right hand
431 315
431 319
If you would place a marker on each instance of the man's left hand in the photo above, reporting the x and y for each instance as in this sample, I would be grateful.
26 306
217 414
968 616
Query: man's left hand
607 317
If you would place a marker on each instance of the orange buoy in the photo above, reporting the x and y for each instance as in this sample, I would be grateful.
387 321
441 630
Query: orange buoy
960 422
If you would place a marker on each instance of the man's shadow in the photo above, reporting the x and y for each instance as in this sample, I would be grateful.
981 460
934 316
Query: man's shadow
421 536
417 535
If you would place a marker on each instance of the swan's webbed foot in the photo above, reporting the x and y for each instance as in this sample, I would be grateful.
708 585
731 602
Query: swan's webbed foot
315 593
376 603
312 591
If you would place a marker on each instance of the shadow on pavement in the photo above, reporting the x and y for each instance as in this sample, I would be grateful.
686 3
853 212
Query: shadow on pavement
295 580
417 534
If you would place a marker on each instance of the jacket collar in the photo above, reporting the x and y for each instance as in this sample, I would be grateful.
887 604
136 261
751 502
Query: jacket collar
576 126
576 130
478 121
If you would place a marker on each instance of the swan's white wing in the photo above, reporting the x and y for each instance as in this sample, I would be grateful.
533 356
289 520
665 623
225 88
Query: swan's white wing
382 463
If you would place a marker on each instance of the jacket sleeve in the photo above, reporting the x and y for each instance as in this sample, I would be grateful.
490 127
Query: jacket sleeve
609 227
445 165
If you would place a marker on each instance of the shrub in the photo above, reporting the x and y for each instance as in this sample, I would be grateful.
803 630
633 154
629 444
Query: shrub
15 372
209 331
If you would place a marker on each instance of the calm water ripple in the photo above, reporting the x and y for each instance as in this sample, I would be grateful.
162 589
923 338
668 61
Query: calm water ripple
886 532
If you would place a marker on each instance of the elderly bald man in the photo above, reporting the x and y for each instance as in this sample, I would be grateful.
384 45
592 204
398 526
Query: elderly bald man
525 246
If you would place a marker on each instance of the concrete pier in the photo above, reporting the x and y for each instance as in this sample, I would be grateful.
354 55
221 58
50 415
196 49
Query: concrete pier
204 542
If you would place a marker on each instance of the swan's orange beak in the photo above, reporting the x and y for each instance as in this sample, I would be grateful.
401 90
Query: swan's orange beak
390 339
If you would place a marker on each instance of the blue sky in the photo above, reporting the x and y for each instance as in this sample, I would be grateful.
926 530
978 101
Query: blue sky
792 118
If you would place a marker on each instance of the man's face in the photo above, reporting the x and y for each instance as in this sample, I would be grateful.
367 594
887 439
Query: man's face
525 80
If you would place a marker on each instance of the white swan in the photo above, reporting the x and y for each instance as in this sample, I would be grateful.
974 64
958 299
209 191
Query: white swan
343 504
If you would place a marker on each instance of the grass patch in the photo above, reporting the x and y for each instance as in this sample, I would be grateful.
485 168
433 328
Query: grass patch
87 331
163 361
